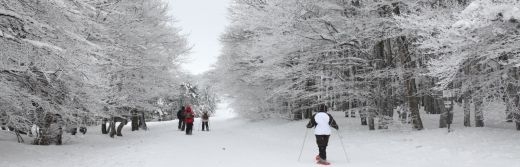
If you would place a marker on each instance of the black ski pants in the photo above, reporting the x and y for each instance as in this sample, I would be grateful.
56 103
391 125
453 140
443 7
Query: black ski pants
182 124
322 141
189 128
205 124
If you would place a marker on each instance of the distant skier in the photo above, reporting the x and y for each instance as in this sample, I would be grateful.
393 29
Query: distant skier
180 116
322 121
189 117
205 121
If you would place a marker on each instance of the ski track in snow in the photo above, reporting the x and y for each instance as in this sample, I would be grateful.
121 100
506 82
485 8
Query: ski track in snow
271 143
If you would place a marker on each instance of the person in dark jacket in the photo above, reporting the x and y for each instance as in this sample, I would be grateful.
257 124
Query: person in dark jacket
189 117
205 121
180 116
322 121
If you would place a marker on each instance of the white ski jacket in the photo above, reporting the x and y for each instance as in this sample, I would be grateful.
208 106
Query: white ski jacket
322 121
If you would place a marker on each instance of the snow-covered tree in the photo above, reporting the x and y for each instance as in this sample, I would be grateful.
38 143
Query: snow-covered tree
142 47
73 58
474 49
287 57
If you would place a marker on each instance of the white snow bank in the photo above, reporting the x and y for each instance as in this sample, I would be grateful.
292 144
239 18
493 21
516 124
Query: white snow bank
274 143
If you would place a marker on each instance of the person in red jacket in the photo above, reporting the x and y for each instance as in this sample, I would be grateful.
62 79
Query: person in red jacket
189 117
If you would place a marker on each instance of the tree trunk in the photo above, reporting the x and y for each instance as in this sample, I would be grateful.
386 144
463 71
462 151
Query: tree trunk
413 105
371 115
350 110
122 122
347 108
120 127
479 114
443 121
428 104
363 115
517 120
409 84
448 108
513 97
3 121
384 115
435 106
467 112
112 127
403 117
364 121
104 129
353 113
403 114
142 122
516 115
509 113
308 113
135 122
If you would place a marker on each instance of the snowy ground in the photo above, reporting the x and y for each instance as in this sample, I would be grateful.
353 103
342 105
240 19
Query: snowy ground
237 142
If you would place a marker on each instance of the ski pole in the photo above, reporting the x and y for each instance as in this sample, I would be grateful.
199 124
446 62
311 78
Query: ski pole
303 144
342 145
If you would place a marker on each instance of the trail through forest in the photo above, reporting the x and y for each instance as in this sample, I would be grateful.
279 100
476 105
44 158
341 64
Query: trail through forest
234 141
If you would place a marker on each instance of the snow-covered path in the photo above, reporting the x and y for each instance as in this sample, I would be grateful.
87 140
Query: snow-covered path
230 142
236 142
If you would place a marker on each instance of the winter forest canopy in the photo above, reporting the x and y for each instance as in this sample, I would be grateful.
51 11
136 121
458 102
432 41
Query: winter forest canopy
283 58
86 60
411 69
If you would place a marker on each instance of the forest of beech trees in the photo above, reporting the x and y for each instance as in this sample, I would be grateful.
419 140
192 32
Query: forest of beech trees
282 58
79 61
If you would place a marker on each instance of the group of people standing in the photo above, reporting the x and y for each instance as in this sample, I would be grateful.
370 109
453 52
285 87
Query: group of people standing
186 118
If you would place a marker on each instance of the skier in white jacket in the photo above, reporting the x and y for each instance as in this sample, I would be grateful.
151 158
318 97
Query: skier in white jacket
322 121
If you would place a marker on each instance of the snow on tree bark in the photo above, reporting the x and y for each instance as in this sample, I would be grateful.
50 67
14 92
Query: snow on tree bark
479 112
467 111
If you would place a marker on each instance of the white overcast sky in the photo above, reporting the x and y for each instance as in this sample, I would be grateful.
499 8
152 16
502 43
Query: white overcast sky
203 21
